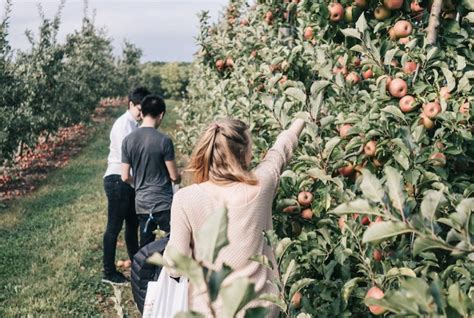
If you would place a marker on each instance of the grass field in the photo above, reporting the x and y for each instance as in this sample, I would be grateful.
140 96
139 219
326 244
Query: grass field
51 241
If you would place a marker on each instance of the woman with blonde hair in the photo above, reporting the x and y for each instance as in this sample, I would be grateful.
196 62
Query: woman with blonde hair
220 164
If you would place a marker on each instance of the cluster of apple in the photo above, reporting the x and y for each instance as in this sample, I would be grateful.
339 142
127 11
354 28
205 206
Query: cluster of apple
221 65
305 198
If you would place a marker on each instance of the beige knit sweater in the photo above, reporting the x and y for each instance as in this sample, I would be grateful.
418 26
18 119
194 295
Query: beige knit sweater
249 213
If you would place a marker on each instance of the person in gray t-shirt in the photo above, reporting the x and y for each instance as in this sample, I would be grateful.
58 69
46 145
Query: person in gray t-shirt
150 155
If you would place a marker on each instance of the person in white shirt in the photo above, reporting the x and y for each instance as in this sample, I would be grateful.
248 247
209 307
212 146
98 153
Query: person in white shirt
120 195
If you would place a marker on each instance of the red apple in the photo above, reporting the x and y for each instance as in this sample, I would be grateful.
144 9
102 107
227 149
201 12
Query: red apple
375 293
347 171
337 70
352 78
341 222
393 4
464 108
220 64
410 67
404 40
406 103
431 110
402 29
336 11
283 79
361 3
378 219
398 88
308 33
439 159
377 255
415 7
296 300
348 14
426 121
370 148
365 220
307 214
344 130
229 62
381 13
290 209
244 22
305 198
368 74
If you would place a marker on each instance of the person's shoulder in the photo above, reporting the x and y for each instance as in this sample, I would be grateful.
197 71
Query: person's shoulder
132 135
183 194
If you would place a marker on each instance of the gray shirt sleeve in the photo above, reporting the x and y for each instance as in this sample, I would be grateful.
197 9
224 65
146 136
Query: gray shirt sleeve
125 152
168 149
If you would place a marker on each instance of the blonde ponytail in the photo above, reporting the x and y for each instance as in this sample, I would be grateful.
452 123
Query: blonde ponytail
221 154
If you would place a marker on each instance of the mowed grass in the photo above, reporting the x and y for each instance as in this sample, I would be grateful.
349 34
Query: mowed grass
51 241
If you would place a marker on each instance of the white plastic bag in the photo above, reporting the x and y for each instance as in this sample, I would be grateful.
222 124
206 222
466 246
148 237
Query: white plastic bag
166 297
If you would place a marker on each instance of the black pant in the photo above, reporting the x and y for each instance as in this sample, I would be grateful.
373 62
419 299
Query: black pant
121 207
148 225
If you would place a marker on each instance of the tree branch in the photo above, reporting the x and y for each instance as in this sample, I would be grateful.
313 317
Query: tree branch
433 23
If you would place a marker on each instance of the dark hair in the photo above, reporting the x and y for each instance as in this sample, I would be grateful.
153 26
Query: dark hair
153 105
137 95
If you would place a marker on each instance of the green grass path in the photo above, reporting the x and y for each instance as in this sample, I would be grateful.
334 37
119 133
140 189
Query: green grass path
51 241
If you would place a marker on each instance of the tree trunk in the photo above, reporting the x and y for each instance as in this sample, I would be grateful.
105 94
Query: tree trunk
433 23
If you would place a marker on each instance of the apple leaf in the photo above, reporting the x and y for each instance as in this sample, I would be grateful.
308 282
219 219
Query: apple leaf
356 206
432 200
394 185
383 230
371 187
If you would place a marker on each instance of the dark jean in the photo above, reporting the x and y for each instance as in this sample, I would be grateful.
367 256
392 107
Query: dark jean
148 225
121 207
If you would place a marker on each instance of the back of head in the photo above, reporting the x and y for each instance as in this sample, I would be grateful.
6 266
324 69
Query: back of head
138 94
153 106
223 153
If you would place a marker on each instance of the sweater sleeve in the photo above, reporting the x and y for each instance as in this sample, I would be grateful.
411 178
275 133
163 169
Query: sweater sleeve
277 158
180 234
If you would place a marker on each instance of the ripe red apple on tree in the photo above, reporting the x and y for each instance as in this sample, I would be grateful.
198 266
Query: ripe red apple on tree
336 11
431 110
406 103
415 7
308 33
269 17
352 78
229 62
402 29
410 67
439 159
307 214
344 130
370 148
342 70
398 88
404 40
283 80
377 255
290 209
305 198
244 22
341 222
426 121
220 64
368 74
381 13
296 300
356 61
365 220
347 171
464 108
375 293
393 4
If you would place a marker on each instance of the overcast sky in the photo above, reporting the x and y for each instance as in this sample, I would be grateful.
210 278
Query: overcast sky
163 29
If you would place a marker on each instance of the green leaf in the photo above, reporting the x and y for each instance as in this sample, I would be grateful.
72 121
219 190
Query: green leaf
263 260
432 200
402 271
389 56
274 299
394 184
357 206
449 78
330 145
382 230
422 244
350 32
216 279
318 174
395 111
348 288
185 266
290 270
296 93
371 187
299 285
282 247
212 236
464 209
457 300
402 160
361 23
236 296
